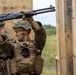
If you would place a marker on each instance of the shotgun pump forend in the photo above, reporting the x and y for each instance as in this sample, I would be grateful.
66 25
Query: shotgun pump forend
13 15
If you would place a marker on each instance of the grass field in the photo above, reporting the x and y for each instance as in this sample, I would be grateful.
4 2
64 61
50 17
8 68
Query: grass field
49 54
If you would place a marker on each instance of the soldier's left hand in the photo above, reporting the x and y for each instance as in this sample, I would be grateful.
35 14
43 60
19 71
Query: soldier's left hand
29 19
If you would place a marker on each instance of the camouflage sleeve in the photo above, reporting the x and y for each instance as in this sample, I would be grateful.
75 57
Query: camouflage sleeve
40 38
5 45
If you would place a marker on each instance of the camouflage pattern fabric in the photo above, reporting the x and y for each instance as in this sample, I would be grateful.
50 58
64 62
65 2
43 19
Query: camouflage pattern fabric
3 67
40 38
35 62
4 51
6 44
3 63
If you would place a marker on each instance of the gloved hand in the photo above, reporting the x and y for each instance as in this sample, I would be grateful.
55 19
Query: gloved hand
29 19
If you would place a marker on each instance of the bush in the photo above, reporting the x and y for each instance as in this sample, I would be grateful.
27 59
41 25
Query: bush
50 30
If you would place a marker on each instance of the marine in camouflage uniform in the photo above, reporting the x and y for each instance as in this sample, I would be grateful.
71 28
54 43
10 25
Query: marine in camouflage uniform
27 58
4 60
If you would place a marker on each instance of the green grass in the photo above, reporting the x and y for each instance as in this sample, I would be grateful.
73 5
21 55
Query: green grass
48 54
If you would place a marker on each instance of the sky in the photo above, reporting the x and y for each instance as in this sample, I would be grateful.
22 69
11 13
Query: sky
46 18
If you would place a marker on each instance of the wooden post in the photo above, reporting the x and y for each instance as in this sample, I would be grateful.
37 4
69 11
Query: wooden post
64 37
74 34
58 13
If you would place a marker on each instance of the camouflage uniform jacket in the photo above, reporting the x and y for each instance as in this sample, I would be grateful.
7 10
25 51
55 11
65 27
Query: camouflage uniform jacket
40 38
4 56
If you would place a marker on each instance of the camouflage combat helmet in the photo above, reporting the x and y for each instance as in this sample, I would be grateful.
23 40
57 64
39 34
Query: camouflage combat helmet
22 24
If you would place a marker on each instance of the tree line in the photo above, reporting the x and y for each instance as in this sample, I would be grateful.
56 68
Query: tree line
50 30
